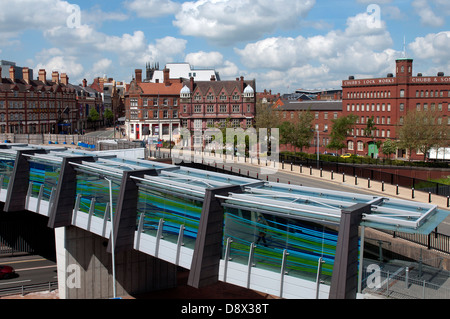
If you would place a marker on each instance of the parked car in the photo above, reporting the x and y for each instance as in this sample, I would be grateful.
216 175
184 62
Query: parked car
346 155
7 272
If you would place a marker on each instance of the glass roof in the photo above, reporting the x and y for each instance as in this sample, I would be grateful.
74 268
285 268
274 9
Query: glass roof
298 202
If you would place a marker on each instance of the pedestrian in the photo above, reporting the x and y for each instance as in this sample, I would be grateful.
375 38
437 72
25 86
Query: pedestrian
261 232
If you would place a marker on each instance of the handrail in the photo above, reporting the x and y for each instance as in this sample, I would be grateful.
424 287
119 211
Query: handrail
23 289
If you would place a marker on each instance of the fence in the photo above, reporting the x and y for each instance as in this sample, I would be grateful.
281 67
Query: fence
434 240
407 282
372 173
25 289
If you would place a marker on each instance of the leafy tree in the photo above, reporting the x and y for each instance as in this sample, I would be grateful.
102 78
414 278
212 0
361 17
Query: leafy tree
109 116
339 131
422 130
389 148
93 117
299 132
266 116
370 128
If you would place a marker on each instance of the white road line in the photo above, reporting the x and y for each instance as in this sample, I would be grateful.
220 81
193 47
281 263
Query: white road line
35 268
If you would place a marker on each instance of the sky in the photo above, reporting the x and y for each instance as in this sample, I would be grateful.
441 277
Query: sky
284 45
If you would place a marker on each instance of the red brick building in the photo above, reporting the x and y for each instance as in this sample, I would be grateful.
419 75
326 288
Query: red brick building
152 109
205 104
388 100
324 112
30 106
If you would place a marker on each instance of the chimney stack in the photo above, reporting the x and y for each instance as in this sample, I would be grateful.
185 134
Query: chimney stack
1 73
84 83
213 77
11 74
242 84
55 77
42 75
192 84
138 73
26 75
64 79
166 77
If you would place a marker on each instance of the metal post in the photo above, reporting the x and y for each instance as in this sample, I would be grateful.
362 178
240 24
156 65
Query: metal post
319 272
112 237
283 271
361 253
406 277
412 192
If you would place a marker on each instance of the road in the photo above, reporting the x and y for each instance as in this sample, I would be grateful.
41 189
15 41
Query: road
30 270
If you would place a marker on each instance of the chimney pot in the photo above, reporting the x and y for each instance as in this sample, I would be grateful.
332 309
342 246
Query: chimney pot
138 73
11 74
42 75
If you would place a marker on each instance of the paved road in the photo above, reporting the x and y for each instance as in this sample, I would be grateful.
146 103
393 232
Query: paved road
30 270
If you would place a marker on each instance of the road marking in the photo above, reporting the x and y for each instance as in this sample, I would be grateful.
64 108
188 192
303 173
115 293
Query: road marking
25 261
35 268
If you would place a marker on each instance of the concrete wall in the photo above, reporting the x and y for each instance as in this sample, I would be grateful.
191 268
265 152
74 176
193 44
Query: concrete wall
85 268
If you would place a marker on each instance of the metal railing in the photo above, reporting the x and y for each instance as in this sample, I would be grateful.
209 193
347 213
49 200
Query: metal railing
26 289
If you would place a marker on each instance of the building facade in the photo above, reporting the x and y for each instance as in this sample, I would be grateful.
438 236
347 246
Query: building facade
39 106
388 100
152 109
217 104
323 114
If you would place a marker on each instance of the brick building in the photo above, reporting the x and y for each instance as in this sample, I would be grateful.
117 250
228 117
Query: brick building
388 100
213 103
152 109
30 106
324 112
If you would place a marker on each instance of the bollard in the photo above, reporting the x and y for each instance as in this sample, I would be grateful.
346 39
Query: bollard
310 170
429 197
356 180
332 175
321 172
291 167
301 168
368 182
282 165
396 191
448 201
412 192
343 177
267 178
248 173
278 180
382 186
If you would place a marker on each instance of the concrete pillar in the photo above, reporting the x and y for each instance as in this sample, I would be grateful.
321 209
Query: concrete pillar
19 181
85 268
344 281
208 245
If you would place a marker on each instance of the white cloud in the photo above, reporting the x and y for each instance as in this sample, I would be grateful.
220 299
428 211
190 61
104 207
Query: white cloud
434 47
62 64
153 8
204 59
230 21
426 13
228 70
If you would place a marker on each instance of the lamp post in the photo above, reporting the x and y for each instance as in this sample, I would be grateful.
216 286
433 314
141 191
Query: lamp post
112 235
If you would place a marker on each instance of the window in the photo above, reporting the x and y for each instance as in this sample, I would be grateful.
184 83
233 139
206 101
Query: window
389 107
351 145
210 109
223 109
402 93
223 97
197 108
166 114
249 123
335 115
155 114
402 107
360 146
133 102
236 123
418 106
236 108
175 114
197 124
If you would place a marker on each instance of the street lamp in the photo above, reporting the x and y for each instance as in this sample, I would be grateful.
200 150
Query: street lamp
112 234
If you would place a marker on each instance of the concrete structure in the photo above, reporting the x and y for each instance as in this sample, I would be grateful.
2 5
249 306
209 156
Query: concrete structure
163 216
178 70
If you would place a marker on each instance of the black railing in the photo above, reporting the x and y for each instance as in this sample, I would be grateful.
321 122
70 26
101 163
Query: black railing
375 174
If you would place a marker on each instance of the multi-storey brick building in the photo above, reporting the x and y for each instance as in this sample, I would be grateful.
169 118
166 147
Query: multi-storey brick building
205 104
323 113
30 106
152 109
388 100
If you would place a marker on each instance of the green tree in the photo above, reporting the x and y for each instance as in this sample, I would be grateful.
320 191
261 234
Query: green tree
370 128
299 132
109 116
339 131
421 131
389 148
93 117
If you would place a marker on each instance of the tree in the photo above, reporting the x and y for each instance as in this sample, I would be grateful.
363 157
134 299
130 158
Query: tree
298 133
266 116
339 131
93 116
422 130
370 128
389 148
109 116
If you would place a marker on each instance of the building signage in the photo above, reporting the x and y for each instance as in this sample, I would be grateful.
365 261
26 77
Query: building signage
369 82
434 79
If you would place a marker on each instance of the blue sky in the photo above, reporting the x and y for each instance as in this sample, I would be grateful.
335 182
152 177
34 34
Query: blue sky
283 44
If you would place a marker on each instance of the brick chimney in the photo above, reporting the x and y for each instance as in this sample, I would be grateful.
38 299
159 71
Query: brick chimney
84 83
138 73
192 84
242 84
55 77
166 76
42 75
11 74
26 75
1 72
213 77
64 79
